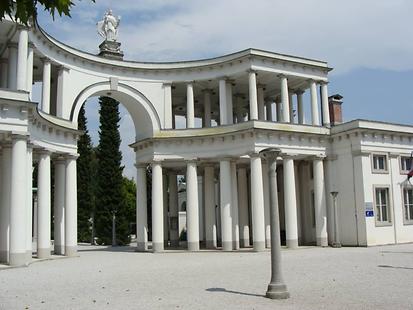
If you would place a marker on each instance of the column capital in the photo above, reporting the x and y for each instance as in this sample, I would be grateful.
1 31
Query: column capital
3 60
71 156
207 90
22 27
252 71
282 75
167 84
45 60
19 136
299 92
319 157
261 85
191 82
253 154
59 160
323 82
192 160
270 153
44 151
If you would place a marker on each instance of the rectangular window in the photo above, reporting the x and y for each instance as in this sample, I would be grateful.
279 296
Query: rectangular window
382 205
379 163
405 164
408 205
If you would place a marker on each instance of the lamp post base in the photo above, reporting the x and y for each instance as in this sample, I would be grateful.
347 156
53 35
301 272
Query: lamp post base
277 291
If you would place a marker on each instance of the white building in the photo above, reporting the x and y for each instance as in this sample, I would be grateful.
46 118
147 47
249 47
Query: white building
247 101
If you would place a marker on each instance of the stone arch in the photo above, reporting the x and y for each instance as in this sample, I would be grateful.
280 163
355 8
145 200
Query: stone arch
142 111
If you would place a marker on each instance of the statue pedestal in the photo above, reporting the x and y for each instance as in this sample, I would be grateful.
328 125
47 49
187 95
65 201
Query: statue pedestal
111 50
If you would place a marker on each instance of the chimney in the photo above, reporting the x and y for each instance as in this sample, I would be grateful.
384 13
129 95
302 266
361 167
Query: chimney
334 105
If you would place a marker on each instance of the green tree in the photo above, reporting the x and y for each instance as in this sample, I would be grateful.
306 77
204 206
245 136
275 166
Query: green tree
26 10
129 192
84 180
110 198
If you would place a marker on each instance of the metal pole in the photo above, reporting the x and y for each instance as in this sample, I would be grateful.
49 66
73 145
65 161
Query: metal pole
114 228
336 243
276 288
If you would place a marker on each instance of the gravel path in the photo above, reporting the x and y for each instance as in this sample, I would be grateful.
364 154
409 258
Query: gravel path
318 278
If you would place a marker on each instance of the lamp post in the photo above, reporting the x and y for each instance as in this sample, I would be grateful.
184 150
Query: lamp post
336 242
276 288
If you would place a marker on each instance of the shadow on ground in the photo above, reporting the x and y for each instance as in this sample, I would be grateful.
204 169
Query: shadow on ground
224 290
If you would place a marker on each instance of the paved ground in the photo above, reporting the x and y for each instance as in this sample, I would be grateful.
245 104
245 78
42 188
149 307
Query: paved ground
346 278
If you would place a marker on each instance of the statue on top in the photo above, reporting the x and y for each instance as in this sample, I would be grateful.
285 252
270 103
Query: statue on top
108 27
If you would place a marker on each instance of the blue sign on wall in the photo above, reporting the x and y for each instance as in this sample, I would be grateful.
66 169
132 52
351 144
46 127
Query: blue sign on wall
369 213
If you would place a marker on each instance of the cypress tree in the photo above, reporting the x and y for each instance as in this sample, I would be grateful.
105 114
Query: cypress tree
110 198
84 181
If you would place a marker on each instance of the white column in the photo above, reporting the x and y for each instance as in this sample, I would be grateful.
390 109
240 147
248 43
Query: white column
3 73
23 46
243 207
44 213
29 201
257 204
324 103
190 109
207 108
291 105
59 206
12 67
234 207
168 105
165 209
29 86
210 219
240 116
46 86
261 103
18 203
300 107
253 100
266 187
62 89
268 107
230 110
290 203
173 210
70 216
223 102
320 202
192 207
141 209
226 201
314 104
284 99
5 184
157 208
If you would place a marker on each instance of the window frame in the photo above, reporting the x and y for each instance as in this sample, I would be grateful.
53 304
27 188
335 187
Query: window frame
386 163
403 171
389 208
406 221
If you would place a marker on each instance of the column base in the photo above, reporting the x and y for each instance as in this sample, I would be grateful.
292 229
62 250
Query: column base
29 256
4 257
235 245
43 253
193 246
157 247
244 243
70 251
322 242
211 244
277 291
292 244
142 247
59 249
259 246
227 245
18 259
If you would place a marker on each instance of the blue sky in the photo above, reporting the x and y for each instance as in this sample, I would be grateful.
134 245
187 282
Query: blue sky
369 44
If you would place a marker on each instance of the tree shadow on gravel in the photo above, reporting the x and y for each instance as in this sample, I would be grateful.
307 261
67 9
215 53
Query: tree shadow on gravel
223 290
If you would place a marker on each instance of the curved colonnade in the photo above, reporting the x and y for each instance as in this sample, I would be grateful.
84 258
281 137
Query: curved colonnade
206 119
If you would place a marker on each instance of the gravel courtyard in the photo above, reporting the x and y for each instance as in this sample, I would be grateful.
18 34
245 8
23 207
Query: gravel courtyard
318 278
